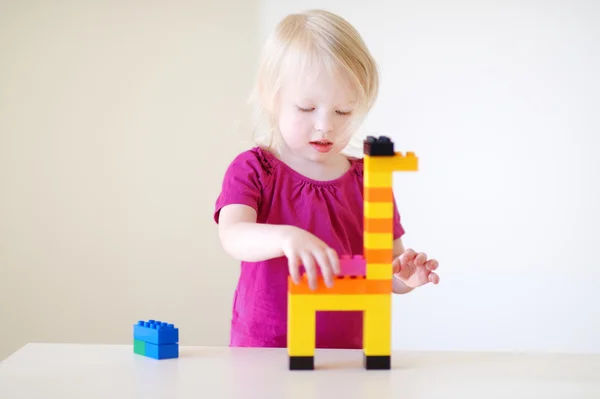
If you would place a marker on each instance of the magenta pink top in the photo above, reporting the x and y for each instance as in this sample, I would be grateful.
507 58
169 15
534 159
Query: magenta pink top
332 210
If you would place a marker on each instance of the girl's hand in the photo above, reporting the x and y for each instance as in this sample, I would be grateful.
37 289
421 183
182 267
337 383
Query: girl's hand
414 270
303 248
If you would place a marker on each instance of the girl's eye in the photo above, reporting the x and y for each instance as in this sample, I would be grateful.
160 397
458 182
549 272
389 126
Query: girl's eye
312 109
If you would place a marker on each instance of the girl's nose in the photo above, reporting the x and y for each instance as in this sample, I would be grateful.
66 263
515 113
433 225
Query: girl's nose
324 124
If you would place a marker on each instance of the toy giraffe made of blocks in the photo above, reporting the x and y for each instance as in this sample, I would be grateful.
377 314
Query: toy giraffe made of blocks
365 281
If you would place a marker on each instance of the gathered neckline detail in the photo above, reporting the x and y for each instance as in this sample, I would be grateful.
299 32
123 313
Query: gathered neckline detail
270 162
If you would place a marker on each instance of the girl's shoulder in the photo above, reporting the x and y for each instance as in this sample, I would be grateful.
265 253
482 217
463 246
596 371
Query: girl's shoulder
358 165
256 159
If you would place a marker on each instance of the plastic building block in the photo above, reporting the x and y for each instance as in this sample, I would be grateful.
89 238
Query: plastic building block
378 146
159 352
302 323
352 266
156 339
381 271
378 256
379 194
378 225
156 332
377 180
302 362
399 162
349 285
377 362
364 283
378 240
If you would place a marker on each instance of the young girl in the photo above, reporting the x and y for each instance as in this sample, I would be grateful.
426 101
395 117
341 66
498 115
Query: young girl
296 199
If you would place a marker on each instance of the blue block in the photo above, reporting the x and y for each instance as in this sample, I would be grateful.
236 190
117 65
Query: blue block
156 332
160 352
167 351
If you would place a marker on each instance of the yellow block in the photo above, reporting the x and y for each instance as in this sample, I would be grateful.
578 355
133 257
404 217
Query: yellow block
379 271
398 163
377 338
377 320
379 240
376 179
301 328
379 210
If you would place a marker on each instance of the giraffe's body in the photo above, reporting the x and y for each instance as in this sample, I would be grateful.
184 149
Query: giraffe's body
366 282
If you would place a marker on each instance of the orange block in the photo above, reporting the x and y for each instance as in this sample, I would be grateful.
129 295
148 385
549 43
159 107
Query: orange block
341 286
379 225
379 194
378 255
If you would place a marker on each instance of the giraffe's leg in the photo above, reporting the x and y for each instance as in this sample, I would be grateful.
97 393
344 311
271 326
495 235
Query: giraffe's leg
377 339
301 333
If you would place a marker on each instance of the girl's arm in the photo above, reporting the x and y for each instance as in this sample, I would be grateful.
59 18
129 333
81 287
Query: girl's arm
246 240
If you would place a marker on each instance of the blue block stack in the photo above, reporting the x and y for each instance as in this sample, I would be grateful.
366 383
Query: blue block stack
156 339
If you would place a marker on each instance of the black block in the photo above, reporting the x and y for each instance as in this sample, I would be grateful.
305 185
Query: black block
377 362
378 146
302 362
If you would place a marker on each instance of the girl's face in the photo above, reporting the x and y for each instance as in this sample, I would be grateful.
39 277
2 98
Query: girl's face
315 115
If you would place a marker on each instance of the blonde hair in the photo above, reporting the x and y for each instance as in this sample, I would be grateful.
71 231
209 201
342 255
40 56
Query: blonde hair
304 39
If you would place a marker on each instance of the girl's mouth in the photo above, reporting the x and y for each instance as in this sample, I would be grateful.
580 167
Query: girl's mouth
322 145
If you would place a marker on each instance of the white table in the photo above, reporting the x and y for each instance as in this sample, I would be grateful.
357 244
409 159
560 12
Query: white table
112 371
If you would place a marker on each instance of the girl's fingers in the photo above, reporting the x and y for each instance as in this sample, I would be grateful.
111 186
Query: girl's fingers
407 256
324 264
334 261
311 270
406 271
294 268
396 265
420 259
432 264
433 278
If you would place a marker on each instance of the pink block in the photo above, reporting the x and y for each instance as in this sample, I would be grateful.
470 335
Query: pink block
353 265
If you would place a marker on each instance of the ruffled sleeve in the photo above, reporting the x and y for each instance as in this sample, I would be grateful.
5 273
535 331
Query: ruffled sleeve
244 181
398 228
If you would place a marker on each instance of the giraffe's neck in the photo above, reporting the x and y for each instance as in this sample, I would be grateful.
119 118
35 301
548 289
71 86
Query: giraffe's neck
379 210
378 223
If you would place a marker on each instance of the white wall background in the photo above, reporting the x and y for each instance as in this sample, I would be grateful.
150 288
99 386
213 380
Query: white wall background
500 100
117 120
